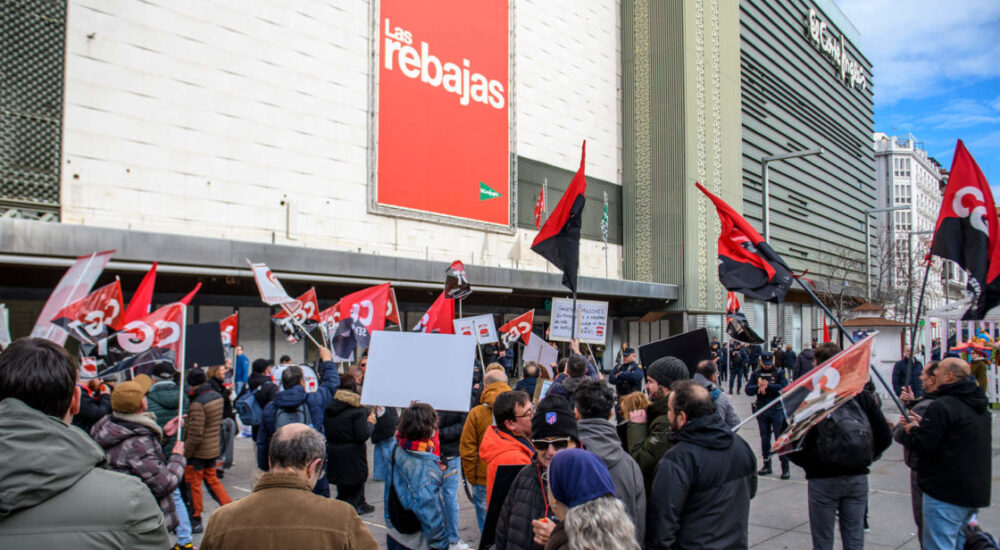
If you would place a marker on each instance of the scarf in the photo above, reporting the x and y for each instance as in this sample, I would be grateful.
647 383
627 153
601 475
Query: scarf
422 445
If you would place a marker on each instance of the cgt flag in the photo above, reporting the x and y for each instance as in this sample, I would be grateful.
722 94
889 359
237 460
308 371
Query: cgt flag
158 337
88 320
559 239
819 392
967 232
271 291
519 328
440 317
138 307
359 314
229 328
747 264
736 322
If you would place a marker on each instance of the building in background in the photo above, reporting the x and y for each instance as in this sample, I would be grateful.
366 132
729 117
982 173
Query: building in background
907 177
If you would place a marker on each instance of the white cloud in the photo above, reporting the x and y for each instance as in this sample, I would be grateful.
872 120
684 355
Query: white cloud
964 113
918 48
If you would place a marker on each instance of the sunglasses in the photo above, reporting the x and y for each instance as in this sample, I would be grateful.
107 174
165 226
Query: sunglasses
543 444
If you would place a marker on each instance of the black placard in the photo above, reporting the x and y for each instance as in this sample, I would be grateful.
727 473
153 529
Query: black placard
203 345
690 347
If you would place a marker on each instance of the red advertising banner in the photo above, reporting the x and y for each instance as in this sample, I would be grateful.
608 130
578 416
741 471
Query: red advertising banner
443 131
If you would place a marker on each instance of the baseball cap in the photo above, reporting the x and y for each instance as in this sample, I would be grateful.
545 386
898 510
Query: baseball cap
767 358
127 396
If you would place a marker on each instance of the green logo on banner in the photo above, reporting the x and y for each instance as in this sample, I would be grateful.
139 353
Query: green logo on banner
486 192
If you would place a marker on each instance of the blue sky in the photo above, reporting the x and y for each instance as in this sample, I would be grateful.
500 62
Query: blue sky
936 73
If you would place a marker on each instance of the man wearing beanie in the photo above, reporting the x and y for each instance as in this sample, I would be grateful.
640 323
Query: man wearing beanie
648 432
202 444
553 428
132 440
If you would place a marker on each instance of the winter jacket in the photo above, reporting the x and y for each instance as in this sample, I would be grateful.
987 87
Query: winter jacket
919 406
954 446
500 448
92 408
647 443
899 376
227 399
527 385
702 490
789 359
809 457
201 431
600 437
626 378
347 430
385 424
162 400
242 371
525 502
54 495
738 359
804 363
416 477
282 512
723 404
268 389
776 381
479 420
291 398
565 387
978 368
753 356
132 445
450 426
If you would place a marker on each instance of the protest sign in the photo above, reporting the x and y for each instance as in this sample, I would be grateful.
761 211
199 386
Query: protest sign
691 348
425 367
308 375
591 321
203 345
480 326
541 352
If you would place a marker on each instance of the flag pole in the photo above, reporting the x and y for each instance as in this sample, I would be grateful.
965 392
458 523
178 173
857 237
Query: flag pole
916 321
757 413
572 331
180 404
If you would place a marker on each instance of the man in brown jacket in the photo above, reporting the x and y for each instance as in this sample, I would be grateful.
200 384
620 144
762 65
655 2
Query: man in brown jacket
282 511
201 444
479 420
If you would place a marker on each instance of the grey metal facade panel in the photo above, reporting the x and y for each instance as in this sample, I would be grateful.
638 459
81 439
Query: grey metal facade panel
32 238
793 99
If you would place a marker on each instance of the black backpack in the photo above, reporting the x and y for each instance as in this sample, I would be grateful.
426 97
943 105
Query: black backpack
402 518
844 438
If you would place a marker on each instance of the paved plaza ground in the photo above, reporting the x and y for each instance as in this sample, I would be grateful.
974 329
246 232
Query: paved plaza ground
779 516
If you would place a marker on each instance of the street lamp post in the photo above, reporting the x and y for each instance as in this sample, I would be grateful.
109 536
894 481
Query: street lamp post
766 202
868 244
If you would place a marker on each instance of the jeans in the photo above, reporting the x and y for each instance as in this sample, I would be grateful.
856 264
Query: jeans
843 497
479 500
183 521
449 498
194 478
238 387
380 459
769 423
227 432
943 524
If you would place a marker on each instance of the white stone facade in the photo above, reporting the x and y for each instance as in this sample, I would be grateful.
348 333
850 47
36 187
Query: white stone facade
249 121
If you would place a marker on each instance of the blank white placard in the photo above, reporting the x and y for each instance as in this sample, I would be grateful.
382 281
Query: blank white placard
414 366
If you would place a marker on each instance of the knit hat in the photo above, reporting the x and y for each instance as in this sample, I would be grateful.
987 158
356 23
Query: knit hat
667 370
553 418
577 476
163 371
196 377
127 396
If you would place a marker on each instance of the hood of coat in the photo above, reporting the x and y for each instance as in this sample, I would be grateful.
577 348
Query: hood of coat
709 432
966 391
116 427
600 437
807 353
164 394
42 456
292 397
703 382
342 401
491 392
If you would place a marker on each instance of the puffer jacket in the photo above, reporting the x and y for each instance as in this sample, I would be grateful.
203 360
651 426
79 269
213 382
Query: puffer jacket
54 495
201 431
702 490
600 437
450 426
479 420
500 448
162 400
347 430
647 443
132 445
291 398
525 502
416 476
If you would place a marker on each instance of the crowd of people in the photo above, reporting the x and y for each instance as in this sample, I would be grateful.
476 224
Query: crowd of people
646 457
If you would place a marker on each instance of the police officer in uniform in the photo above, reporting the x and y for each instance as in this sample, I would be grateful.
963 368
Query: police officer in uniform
766 382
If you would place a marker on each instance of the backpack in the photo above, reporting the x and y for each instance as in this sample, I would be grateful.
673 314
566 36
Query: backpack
402 518
297 415
844 438
977 539
248 408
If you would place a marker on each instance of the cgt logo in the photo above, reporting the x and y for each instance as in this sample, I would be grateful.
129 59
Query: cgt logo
976 211
369 312
138 336
93 322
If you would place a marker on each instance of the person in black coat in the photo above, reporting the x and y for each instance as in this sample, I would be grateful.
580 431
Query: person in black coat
701 493
348 426
450 425
260 382
95 404
527 384
789 361
804 362
899 380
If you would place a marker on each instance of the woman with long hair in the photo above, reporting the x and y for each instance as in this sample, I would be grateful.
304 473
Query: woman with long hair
227 431
583 497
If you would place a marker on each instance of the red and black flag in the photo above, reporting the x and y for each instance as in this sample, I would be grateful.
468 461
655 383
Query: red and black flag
747 264
439 318
90 318
967 232
456 281
138 307
559 239
736 322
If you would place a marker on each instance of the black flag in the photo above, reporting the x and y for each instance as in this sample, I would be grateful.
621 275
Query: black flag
559 239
